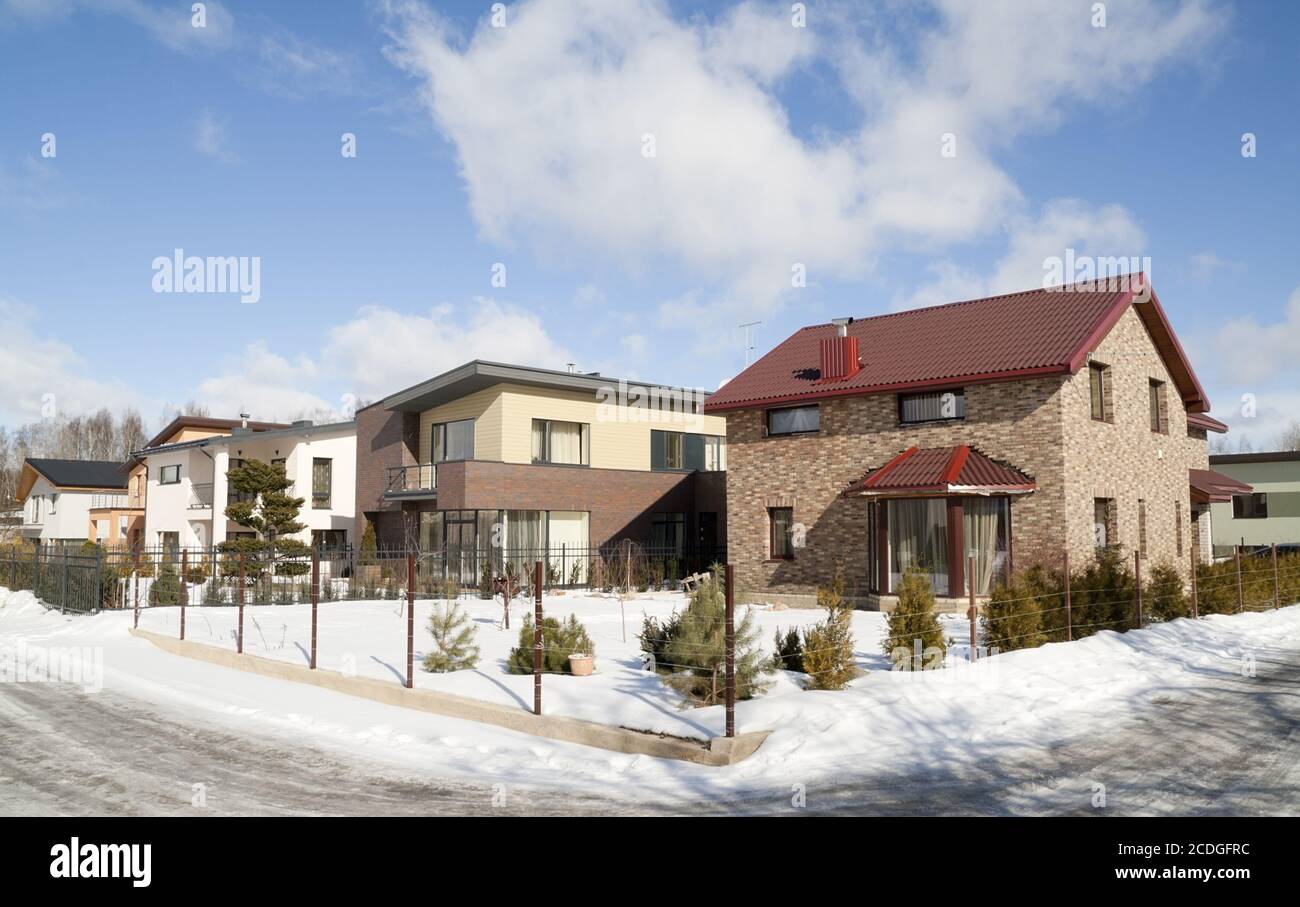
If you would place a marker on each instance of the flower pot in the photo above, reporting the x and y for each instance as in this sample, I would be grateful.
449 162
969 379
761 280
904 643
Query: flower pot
582 665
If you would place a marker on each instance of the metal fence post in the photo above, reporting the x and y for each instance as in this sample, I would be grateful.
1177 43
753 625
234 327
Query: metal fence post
971 612
1195 615
537 638
315 600
63 595
1240 601
728 578
185 586
135 570
410 621
1277 595
239 634
1137 584
99 578
1069 618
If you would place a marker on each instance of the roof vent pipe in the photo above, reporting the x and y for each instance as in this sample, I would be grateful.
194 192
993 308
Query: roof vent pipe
841 326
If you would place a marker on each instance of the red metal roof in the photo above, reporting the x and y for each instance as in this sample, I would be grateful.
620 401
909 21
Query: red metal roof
942 469
1207 422
1210 487
1019 335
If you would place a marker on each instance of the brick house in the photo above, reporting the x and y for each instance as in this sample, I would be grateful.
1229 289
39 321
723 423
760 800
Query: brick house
1015 427
490 456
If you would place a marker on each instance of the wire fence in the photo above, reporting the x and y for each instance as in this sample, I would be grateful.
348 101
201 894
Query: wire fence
92 578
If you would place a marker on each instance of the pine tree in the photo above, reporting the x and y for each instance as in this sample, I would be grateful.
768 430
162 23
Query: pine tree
272 513
1163 596
1013 616
915 639
453 639
696 654
828 646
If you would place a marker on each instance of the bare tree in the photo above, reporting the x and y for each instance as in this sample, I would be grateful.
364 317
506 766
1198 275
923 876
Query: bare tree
130 434
1290 437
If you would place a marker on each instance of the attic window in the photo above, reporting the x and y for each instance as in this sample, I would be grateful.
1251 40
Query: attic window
794 420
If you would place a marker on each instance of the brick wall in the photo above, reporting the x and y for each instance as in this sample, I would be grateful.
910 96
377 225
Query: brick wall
384 439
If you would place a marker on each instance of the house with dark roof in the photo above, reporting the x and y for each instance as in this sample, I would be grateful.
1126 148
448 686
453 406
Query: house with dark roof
1263 507
74 501
1016 428
491 462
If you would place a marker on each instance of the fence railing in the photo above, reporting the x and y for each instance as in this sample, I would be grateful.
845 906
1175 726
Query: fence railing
201 496
423 477
92 578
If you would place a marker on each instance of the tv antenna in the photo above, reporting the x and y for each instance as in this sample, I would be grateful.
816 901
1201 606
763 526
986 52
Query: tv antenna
748 327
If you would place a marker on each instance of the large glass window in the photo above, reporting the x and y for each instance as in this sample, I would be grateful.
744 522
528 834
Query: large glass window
566 443
679 450
793 420
568 545
1250 506
667 532
933 407
918 537
987 530
453 441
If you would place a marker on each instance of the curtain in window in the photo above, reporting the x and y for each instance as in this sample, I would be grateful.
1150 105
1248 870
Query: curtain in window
566 442
930 407
714 454
918 536
789 421
567 540
525 537
987 532
539 440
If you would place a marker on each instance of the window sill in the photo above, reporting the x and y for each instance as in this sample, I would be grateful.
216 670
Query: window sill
902 424
793 434
779 560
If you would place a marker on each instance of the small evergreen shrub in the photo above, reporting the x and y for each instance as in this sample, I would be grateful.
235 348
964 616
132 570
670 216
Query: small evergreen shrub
1163 597
915 640
453 639
1013 614
828 646
787 650
559 641
166 589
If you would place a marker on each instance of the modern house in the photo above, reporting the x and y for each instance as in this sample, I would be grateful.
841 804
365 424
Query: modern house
490 457
74 501
1266 510
1016 427
187 490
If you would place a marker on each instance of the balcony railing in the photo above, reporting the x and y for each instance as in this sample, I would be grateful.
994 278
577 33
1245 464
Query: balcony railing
413 478
121 501
201 496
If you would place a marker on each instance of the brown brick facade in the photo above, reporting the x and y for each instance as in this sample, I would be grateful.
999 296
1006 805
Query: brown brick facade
1042 426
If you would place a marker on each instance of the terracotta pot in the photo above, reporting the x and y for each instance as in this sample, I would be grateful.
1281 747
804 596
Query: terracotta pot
582 665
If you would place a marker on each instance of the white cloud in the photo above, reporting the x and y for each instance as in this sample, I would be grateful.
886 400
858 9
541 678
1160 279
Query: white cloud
290 66
382 350
38 371
1064 223
35 184
1250 354
267 386
1206 264
548 116
210 138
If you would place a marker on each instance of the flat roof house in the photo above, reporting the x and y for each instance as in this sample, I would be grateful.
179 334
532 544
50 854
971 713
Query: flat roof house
74 501
490 457
1015 427
1265 509
187 490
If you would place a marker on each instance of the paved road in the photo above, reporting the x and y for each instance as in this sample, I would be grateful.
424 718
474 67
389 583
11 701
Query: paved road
1229 748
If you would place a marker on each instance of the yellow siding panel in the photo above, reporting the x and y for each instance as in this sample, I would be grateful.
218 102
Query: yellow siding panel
484 407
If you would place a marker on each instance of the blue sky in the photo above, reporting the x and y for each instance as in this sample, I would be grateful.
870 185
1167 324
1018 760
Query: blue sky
525 145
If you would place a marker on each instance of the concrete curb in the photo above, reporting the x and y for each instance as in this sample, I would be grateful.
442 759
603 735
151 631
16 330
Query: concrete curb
717 752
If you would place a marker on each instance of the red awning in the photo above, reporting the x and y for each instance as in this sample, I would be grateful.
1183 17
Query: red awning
942 470
1210 487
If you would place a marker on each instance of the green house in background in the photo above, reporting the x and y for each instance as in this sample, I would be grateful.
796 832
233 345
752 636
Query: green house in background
1271 513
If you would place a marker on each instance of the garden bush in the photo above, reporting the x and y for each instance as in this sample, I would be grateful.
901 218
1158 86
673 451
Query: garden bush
915 639
828 646
559 641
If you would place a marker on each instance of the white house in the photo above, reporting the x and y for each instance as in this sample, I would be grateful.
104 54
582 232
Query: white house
188 490
72 501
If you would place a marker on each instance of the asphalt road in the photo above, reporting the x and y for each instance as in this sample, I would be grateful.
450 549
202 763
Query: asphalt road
1230 748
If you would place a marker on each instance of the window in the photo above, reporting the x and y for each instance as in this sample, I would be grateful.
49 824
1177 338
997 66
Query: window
1178 526
1142 528
1156 394
1099 390
668 531
781 523
36 511
54 503
567 443
170 541
918 537
233 496
933 407
986 524
795 420
678 450
169 475
329 539
1103 522
322 481
453 441
1250 506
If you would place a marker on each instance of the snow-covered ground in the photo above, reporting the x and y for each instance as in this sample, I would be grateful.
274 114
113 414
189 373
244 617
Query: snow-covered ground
1031 699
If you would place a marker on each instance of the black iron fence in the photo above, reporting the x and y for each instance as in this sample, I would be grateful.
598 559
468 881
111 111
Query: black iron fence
91 578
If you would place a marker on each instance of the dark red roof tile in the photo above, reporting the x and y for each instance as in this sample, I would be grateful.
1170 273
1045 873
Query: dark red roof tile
942 469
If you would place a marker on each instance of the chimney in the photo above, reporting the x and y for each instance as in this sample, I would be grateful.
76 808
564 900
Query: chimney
839 360
243 420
